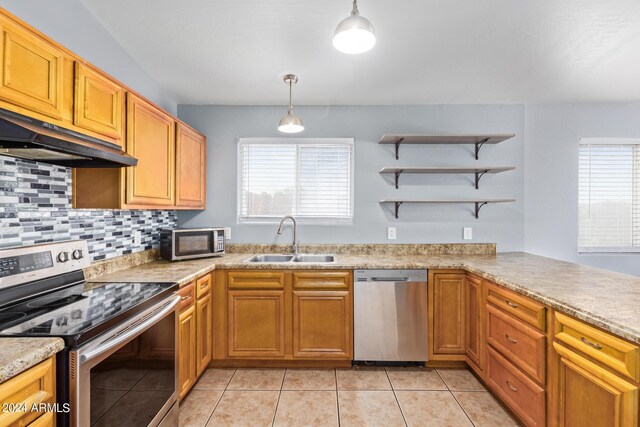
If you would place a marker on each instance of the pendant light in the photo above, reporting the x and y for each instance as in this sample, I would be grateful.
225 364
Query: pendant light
290 123
354 34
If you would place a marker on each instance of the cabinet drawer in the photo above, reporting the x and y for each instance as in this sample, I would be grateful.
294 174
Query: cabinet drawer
521 307
519 342
203 285
521 394
255 280
322 280
34 386
619 355
187 296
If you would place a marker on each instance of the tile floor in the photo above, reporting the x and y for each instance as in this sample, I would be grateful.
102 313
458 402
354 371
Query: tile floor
341 397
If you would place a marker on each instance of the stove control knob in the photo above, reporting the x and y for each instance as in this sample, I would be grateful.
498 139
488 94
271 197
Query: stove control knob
63 257
77 254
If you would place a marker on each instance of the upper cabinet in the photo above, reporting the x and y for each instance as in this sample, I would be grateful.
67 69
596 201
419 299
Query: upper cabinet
98 103
191 168
31 73
151 140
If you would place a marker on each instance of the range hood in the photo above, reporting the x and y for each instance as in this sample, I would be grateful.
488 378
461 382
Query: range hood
27 138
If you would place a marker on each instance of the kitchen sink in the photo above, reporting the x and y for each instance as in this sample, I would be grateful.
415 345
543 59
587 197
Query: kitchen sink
284 258
314 258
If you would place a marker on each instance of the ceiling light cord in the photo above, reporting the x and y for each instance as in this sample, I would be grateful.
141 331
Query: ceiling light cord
355 11
290 96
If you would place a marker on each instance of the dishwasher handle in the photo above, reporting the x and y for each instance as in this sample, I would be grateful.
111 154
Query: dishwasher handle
389 279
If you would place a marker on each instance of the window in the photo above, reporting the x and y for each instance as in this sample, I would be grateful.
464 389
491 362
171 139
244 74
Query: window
609 195
310 178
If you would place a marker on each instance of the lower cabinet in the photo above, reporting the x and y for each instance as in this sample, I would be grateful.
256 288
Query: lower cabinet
255 323
187 351
204 329
36 386
447 315
285 315
475 324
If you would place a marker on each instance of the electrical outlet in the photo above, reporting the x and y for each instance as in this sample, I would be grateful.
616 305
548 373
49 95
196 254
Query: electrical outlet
467 233
391 233
137 238
227 233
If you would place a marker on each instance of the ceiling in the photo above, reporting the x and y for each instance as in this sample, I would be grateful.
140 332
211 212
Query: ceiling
428 52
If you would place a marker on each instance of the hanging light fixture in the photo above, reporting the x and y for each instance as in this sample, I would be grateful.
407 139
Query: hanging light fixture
354 34
290 123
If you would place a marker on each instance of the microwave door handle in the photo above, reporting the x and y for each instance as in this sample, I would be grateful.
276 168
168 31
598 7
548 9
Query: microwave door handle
130 333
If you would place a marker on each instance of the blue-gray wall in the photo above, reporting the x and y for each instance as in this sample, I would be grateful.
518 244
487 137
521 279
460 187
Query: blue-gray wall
502 224
71 24
552 133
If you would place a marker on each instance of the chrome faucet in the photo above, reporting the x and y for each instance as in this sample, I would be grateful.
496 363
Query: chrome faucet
294 246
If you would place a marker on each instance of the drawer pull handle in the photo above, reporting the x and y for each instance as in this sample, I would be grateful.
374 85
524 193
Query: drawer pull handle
204 285
592 344
513 340
184 298
511 387
511 304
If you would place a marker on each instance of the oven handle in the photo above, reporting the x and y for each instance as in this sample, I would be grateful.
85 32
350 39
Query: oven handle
130 333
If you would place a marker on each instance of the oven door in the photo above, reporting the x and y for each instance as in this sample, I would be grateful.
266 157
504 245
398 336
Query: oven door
193 243
128 376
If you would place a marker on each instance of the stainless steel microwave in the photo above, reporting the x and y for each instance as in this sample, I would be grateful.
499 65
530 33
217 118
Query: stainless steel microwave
189 243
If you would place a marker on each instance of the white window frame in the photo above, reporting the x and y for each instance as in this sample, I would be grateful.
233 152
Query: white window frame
302 141
585 250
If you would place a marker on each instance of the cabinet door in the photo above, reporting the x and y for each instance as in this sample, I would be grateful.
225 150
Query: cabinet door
31 75
99 103
191 169
150 139
322 324
447 299
187 351
589 395
475 323
256 323
204 316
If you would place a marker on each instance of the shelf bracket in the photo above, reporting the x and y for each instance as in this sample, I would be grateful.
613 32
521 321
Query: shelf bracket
478 176
398 142
479 145
398 207
398 173
479 205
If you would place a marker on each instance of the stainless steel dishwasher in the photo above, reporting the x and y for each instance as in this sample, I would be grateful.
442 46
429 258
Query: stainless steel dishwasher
390 315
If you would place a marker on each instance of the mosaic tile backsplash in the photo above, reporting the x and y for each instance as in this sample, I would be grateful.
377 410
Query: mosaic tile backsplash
35 207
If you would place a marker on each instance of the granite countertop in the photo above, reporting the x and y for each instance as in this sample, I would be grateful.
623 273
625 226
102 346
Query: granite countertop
600 297
19 354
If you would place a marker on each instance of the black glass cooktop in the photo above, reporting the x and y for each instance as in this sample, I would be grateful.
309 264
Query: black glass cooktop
81 311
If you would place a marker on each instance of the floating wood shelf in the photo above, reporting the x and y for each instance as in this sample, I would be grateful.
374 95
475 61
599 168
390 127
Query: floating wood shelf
478 172
479 203
477 140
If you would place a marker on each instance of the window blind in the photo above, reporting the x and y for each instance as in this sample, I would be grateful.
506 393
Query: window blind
309 178
609 195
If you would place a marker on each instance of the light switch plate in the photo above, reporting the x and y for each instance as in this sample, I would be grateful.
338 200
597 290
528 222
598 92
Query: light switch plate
391 233
467 233
137 238
227 233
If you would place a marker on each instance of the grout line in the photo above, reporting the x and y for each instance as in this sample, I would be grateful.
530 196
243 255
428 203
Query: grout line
220 398
335 376
279 395
396 398
462 407
442 378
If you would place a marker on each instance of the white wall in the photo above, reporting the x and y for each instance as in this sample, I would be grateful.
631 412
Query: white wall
552 133
71 24
502 224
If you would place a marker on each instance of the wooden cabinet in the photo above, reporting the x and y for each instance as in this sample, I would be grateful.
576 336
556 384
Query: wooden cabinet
204 339
151 140
589 395
475 323
187 373
447 315
36 385
99 103
31 73
322 319
256 323
285 316
191 168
